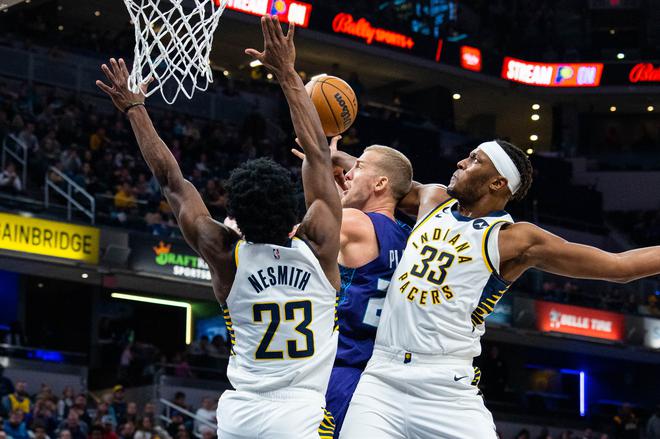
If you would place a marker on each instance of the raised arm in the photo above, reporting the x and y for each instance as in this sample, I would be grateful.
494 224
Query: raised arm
524 245
322 222
205 235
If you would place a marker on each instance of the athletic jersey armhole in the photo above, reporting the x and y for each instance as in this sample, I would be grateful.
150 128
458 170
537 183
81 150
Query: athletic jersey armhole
235 259
490 249
432 212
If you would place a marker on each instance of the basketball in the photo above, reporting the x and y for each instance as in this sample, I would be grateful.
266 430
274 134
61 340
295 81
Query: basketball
335 101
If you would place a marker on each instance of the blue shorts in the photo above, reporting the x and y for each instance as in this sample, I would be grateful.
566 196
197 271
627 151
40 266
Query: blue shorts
343 381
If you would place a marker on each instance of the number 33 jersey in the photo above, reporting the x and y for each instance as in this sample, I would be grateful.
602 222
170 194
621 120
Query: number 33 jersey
281 317
446 283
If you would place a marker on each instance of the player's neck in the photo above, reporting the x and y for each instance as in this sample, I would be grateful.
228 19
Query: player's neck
384 207
480 208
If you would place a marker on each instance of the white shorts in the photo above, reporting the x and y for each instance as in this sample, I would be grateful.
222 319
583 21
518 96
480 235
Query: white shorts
416 396
273 415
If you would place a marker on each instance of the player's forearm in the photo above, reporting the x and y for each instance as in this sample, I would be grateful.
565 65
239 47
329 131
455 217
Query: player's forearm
157 155
305 119
639 263
344 160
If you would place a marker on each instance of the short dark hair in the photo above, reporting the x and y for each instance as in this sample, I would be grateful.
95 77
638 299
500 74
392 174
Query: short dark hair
524 166
262 200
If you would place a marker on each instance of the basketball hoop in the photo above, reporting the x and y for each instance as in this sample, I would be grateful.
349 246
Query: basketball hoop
172 45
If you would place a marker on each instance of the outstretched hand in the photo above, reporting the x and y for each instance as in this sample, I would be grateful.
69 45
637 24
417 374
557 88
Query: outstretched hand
337 171
118 90
279 51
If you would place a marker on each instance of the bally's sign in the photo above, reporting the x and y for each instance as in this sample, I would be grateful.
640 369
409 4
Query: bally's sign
49 238
170 257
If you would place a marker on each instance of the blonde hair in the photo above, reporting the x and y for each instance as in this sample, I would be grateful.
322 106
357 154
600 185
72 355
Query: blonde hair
396 167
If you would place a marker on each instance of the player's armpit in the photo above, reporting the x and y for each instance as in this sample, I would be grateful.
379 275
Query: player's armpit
525 245
422 198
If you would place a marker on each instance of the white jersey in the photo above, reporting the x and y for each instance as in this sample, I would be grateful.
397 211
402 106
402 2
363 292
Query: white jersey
445 285
281 317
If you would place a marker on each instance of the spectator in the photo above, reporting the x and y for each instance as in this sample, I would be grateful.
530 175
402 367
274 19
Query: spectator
9 179
77 429
6 385
44 415
149 411
207 413
80 407
181 366
626 423
118 403
124 198
96 432
98 140
65 403
28 138
523 434
176 422
108 425
218 347
18 400
104 409
127 431
148 431
653 425
15 426
40 432
131 413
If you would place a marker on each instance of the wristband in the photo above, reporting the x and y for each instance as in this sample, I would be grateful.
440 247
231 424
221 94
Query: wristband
132 105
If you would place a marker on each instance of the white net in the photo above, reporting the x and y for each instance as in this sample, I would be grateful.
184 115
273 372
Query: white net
173 40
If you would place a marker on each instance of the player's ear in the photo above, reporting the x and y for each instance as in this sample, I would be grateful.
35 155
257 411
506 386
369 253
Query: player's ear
382 183
499 183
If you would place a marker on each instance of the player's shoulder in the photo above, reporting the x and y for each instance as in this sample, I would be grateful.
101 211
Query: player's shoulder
430 197
214 238
522 233
356 224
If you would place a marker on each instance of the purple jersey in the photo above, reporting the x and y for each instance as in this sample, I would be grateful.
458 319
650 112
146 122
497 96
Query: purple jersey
363 291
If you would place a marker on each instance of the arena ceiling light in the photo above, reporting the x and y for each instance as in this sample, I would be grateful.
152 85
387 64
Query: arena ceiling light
535 117
456 96
612 108
255 63
530 151
620 55
650 108
533 137
536 107
187 306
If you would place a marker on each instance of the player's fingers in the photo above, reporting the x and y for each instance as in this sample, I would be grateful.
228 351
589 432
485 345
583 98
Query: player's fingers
298 142
277 27
254 53
108 74
264 30
123 69
116 71
272 33
333 143
298 154
291 31
104 87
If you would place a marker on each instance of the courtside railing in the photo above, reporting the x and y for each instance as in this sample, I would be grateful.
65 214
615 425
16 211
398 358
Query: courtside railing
16 150
70 190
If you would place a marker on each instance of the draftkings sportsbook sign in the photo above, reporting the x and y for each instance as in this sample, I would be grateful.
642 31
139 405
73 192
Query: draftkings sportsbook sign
167 256
49 238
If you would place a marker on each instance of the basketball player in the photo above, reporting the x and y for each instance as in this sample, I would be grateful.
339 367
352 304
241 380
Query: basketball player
461 257
281 292
371 243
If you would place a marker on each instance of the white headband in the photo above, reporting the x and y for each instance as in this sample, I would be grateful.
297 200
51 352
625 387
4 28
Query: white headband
503 164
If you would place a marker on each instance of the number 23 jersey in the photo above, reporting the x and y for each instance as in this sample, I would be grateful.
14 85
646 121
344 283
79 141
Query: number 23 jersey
446 283
281 318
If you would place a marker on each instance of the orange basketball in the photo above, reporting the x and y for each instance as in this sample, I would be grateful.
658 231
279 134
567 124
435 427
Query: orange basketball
335 102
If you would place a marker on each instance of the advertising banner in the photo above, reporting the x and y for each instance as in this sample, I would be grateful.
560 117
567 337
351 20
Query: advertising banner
49 238
170 257
556 317
552 74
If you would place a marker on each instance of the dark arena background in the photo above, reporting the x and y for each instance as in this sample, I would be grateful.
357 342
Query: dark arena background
107 317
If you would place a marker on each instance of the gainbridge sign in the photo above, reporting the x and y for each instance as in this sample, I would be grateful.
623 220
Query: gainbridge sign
555 317
49 238
167 256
